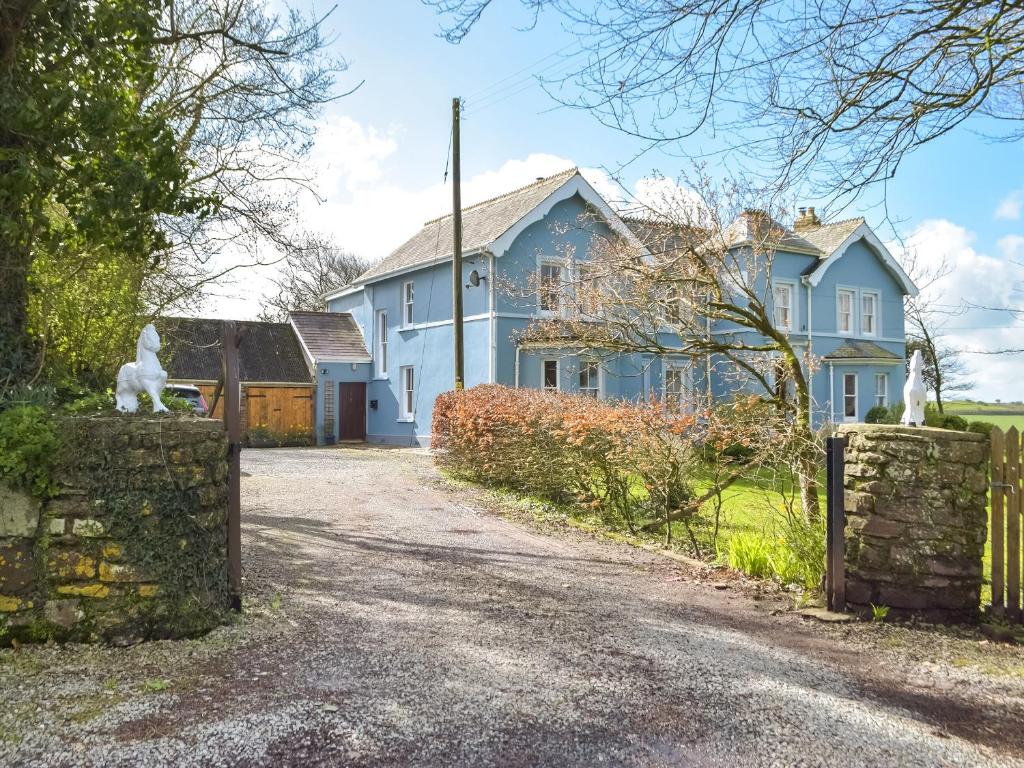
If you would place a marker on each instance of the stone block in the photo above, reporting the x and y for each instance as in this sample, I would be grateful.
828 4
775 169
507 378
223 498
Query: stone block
903 597
882 529
63 613
120 573
70 564
10 603
19 513
16 567
84 590
88 527
57 526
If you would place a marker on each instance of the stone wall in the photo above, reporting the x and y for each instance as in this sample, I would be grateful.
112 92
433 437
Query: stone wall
132 546
916 520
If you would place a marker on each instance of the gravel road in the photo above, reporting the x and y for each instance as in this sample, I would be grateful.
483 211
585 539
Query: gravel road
396 620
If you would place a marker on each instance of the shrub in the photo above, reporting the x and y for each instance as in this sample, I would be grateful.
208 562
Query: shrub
28 447
953 421
981 427
629 464
879 414
748 553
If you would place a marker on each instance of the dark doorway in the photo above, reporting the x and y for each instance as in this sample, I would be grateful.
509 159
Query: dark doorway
352 411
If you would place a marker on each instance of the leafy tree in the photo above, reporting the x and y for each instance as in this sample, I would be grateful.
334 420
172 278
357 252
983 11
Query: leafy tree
311 268
75 139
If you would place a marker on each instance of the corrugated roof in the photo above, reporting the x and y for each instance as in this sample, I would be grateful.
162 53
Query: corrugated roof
269 352
330 336
862 350
482 224
828 237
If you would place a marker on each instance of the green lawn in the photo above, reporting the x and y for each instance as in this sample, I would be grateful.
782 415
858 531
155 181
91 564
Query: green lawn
1003 415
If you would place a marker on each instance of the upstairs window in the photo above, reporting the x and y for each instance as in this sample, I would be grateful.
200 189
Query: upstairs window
550 287
869 314
845 306
407 304
586 291
590 379
382 344
783 295
881 390
550 375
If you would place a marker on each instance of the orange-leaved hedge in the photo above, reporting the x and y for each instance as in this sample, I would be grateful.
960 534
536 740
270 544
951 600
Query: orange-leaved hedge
631 463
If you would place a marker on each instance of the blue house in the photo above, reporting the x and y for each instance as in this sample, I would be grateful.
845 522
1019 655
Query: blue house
383 351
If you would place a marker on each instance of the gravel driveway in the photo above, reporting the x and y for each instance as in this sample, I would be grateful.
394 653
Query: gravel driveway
393 619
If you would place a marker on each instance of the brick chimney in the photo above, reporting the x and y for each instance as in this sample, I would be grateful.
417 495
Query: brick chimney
806 220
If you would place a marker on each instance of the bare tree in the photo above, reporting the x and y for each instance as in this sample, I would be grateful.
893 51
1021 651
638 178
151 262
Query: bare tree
241 86
945 371
312 267
835 92
701 291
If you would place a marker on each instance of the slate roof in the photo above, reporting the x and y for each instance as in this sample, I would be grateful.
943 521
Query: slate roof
761 230
861 350
270 352
330 336
660 237
482 224
827 237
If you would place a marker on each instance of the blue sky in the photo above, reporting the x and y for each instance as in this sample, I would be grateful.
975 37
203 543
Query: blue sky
381 152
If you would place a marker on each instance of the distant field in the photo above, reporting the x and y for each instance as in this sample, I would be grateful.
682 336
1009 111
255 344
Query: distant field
1003 415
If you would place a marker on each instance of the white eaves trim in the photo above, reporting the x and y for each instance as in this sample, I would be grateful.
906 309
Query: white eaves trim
574 185
863 232
346 290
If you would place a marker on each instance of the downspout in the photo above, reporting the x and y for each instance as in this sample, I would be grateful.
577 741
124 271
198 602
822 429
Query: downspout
492 364
517 365
810 349
831 392
707 361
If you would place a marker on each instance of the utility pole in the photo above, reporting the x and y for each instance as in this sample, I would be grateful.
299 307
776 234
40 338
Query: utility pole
457 252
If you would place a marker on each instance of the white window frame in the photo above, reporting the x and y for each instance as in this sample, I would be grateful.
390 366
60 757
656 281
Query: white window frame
382 344
856 394
559 289
408 297
685 386
852 293
407 380
791 290
882 378
598 385
543 375
584 304
875 315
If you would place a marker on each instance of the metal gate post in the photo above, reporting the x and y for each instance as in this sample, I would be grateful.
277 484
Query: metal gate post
835 524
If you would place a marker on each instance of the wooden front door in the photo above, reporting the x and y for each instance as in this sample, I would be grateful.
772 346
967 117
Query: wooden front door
352 411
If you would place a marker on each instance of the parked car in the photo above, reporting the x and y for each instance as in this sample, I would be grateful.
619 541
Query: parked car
190 393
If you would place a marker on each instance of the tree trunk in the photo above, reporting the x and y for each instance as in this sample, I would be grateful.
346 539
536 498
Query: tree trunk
16 351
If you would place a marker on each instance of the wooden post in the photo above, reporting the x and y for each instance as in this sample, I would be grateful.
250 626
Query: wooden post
233 425
998 493
1013 507
835 524
457 246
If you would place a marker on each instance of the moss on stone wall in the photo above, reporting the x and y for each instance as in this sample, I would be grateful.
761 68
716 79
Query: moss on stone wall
133 544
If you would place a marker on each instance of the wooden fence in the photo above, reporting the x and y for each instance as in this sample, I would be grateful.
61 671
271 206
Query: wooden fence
1006 523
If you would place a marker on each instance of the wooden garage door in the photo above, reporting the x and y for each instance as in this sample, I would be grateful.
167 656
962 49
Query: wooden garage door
280 409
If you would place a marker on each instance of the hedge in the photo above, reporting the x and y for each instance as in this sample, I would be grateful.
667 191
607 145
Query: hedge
623 461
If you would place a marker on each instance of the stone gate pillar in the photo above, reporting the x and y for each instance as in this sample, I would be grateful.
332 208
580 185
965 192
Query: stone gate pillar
916 520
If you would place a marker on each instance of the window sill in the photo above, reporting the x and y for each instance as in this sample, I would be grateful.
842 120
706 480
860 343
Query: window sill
406 420
381 378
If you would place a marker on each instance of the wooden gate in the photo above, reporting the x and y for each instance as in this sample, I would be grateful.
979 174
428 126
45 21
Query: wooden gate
1006 523
280 410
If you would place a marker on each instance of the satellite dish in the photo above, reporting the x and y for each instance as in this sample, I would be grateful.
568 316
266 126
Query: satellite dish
474 279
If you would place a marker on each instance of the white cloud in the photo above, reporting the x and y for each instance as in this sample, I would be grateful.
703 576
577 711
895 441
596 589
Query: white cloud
974 281
1009 207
